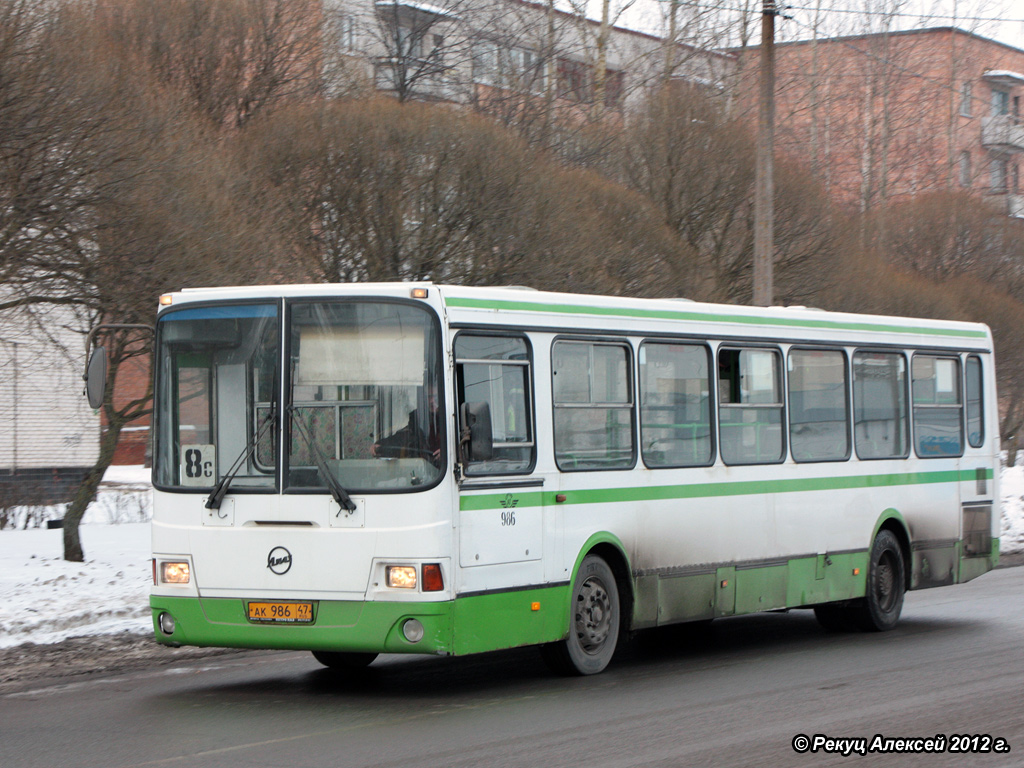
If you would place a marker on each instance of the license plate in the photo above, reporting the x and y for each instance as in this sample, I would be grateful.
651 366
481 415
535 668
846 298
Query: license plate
284 613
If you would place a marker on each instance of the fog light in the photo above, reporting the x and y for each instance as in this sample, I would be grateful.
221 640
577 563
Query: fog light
413 630
166 622
174 573
400 576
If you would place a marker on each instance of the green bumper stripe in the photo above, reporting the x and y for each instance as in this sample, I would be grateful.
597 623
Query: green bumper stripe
470 624
710 490
709 317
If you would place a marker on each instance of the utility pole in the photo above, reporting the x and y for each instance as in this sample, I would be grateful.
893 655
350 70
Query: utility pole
764 185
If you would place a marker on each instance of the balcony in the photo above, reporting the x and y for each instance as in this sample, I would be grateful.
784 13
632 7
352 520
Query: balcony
1002 132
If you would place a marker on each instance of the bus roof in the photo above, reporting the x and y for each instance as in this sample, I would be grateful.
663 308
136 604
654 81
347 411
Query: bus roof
511 307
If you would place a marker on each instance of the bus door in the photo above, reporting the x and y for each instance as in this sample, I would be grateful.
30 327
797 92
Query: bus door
501 513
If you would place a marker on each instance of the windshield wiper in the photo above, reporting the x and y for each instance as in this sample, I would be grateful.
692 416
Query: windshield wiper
217 496
337 491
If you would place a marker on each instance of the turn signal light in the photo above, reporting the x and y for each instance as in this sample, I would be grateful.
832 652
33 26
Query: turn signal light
432 580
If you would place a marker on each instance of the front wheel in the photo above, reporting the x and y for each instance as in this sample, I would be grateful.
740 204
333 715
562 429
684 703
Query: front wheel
594 620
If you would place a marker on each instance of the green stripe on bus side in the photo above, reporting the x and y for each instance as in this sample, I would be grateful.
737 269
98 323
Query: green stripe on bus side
713 490
669 314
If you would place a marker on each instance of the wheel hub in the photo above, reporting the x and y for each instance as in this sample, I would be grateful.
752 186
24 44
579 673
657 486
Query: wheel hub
593 615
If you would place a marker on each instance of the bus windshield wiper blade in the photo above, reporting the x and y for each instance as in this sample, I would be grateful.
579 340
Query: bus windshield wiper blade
217 496
337 491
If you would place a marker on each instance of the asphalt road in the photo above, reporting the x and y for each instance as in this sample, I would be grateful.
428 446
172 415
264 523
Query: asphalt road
733 694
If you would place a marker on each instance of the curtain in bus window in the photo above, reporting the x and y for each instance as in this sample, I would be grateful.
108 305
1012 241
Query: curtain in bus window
938 412
880 426
818 416
496 370
593 419
750 406
675 419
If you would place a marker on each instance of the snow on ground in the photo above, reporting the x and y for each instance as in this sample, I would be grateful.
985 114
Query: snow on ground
44 599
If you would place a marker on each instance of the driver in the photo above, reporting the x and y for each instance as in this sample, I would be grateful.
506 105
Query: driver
415 439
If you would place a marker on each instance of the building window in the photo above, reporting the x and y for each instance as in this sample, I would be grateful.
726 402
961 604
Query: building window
1000 174
965 168
1000 102
966 95
573 80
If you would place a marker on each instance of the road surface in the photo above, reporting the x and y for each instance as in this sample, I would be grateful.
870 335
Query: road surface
734 694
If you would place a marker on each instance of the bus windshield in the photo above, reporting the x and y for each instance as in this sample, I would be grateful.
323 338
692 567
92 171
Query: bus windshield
361 409
365 396
217 380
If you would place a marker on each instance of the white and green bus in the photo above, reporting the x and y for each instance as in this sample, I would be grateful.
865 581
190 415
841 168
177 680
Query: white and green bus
418 468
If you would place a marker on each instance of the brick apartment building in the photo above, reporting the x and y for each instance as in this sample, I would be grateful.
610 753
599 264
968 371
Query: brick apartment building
886 116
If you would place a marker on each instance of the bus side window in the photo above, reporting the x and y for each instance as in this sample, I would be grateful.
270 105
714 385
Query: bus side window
675 393
496 370
593 405
750 407
818 409
938 406
880 424
975 403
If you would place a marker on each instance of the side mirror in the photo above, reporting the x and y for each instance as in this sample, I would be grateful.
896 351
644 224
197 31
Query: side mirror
96 377
476 441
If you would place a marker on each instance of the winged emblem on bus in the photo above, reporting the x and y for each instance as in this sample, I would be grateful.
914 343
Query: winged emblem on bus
509 502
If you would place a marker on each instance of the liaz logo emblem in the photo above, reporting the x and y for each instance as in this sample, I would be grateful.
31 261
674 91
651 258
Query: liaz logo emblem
509 502
279 561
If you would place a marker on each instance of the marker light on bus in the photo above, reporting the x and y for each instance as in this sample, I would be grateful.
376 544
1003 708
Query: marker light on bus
166 300
174 573
400 576
432 579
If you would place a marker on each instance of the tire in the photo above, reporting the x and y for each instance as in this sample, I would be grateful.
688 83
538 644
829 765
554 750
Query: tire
883 602
594 622
341 660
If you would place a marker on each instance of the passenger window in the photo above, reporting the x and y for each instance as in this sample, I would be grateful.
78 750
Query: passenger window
675 413
818 413
880 429
938 411
593 405
975 403
496 370
750 406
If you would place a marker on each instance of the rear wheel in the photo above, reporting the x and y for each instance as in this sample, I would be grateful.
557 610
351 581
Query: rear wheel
342 660
886 586
594 620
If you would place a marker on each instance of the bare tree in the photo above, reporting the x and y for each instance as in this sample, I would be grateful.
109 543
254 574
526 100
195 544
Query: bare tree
229 58
385 191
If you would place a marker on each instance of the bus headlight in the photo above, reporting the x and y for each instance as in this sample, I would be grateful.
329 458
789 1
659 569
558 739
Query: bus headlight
174 573
400 576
